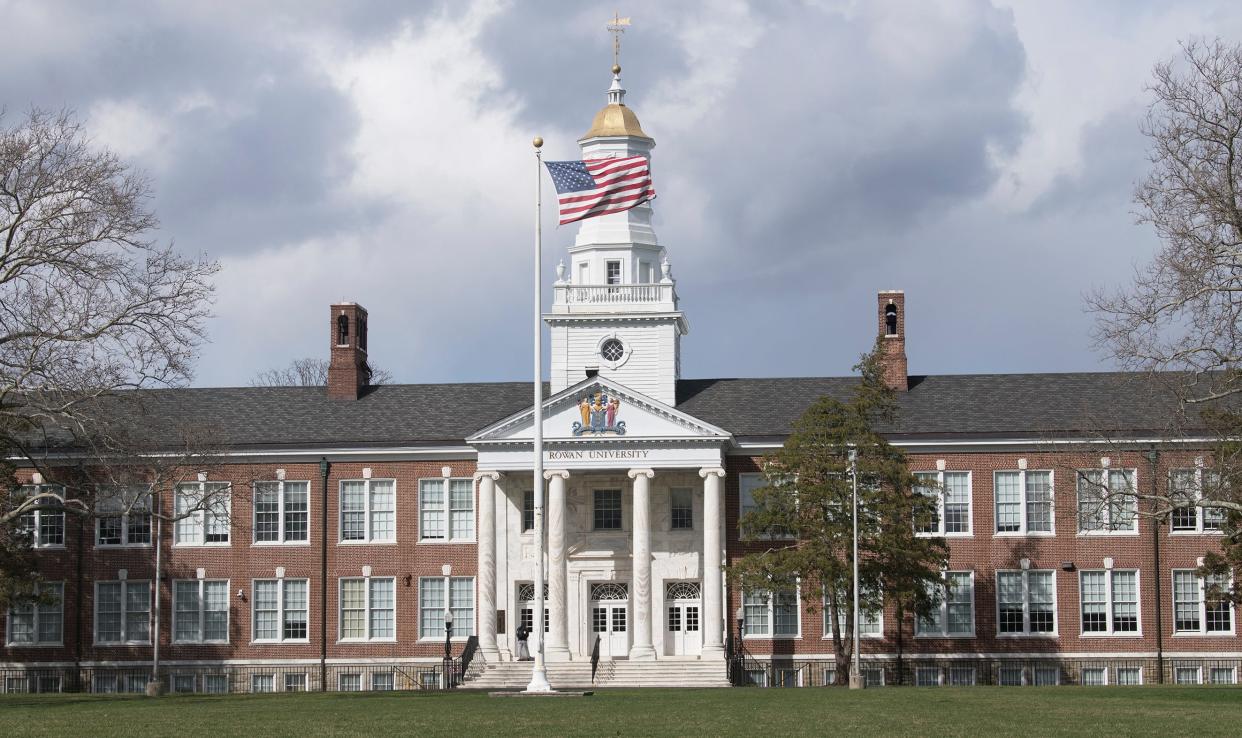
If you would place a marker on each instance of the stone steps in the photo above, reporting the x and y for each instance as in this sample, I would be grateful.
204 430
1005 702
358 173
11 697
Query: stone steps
611 674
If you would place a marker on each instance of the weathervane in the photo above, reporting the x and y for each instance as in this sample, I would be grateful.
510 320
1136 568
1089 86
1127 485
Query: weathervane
616 26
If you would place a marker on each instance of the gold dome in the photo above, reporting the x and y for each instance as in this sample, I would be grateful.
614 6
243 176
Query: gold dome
615 119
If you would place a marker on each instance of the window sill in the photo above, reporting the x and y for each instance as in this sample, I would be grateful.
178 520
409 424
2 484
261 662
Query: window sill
121 643
944 535
277 544
1106 533
285 642
1195 533
363 641
944 636
200 643
1019 534
446 541
1124 634
454 639
771 638
1042 636
1213 634
121 546
367 543
11 644
861 636
202 545
48 547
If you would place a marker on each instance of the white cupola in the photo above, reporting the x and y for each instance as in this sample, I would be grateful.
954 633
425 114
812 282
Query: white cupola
614 310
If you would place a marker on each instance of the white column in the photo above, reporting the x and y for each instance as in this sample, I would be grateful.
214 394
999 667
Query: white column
487 565
713 580
640 596
558 616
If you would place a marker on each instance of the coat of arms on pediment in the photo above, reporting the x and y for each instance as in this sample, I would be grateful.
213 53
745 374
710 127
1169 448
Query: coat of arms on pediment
599 415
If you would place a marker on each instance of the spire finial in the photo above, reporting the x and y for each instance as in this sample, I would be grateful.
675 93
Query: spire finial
616 26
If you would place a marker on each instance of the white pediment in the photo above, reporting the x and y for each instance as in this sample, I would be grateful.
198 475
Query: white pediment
598 409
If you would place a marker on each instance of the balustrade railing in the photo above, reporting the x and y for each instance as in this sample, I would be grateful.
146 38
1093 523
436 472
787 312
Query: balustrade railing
613 294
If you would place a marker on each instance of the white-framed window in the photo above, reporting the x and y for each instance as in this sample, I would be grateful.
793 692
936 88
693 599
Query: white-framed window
201 611
757 677
281 512
1094 676
446 509
381 681
1129 676
432 601
281 610
771 615
130 525
961 676
295 682
955 616
203 514
528 511
1187 675
1223 675
1011 676
1188 486
184 683
606 509
368 609
952 491
927 676
1106 501
612 271
35 624
368 511
747 484
123 612
870 619
873 676
1109 601
681 508
349 682
216 683
262 682
1047 676
45 523
1193 610
830 676
1026 602
1024 502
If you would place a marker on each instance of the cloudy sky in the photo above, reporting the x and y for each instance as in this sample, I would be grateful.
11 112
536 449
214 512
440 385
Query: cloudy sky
981 156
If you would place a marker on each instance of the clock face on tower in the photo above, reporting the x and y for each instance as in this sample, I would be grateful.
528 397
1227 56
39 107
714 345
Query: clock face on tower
612 350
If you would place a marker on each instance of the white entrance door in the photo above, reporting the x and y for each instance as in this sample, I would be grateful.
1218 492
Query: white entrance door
610 621
683 634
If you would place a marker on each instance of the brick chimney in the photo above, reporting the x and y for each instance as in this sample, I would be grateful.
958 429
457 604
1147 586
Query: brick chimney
348 371
892 317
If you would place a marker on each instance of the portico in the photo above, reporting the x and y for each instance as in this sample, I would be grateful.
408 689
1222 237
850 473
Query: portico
633 524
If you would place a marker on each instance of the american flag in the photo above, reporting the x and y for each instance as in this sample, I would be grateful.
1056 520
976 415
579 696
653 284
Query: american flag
600 186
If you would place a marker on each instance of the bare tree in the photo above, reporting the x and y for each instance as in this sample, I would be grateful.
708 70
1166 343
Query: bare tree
1179 321
308 372
93 313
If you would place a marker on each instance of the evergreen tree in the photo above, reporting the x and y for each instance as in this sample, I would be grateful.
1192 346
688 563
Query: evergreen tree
805 512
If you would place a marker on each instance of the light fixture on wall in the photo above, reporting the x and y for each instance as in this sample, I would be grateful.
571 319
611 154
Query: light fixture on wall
241 595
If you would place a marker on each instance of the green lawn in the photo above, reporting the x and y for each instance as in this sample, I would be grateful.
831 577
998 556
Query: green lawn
982 712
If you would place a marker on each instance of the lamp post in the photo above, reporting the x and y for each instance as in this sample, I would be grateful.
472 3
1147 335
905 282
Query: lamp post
448 648
856 681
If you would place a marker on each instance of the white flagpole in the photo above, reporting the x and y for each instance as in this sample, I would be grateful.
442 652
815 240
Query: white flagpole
539 675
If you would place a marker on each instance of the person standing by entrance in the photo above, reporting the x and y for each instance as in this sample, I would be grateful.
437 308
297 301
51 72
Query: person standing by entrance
523 653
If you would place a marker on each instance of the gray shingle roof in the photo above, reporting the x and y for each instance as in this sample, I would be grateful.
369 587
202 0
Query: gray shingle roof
983 405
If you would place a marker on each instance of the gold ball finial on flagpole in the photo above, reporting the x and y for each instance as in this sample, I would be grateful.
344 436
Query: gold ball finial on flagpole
616 69
538 142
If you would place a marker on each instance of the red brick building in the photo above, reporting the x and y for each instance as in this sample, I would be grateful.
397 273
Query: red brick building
361 516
